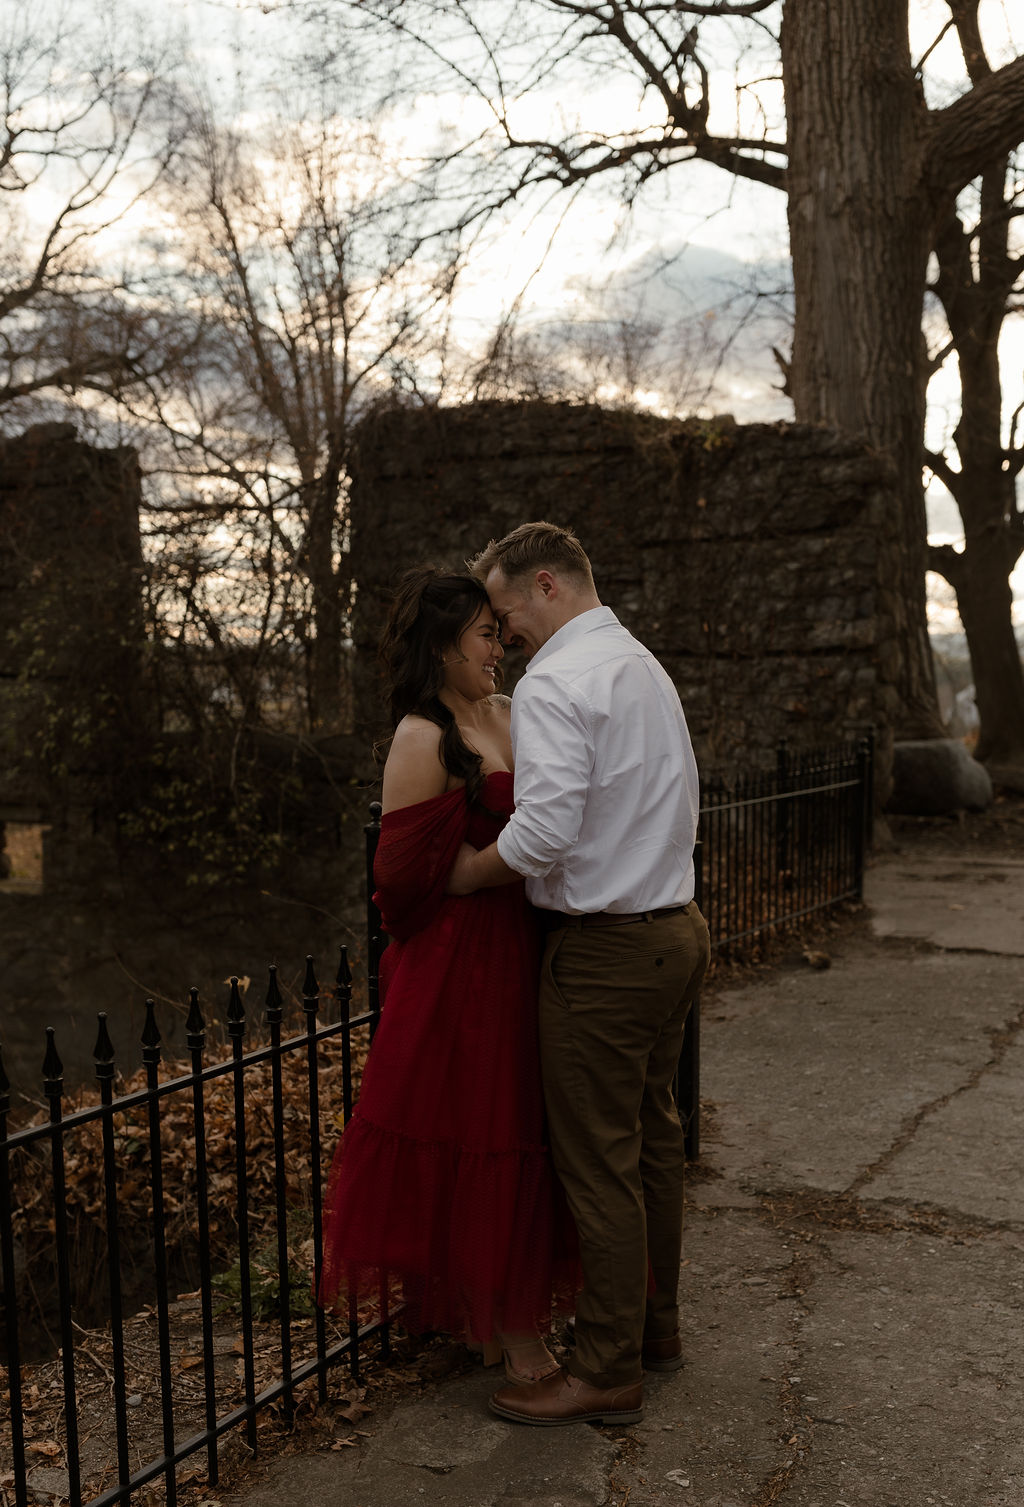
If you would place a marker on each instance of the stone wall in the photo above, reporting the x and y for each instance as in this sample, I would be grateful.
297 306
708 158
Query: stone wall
753 560
71 632
118 920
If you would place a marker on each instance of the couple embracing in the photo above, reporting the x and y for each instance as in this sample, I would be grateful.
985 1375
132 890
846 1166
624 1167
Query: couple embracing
522 1070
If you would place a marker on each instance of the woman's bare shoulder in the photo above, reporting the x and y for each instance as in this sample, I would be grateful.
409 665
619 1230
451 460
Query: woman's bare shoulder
417 734
413 771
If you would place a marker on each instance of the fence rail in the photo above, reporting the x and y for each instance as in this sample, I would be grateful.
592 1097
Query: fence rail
773 849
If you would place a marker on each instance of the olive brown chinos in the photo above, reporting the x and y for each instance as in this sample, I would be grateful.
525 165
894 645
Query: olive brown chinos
613 1004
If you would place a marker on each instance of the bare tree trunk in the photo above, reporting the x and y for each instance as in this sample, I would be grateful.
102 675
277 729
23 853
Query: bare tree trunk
984 493
985 601
860 229
326 699
975 279
979 576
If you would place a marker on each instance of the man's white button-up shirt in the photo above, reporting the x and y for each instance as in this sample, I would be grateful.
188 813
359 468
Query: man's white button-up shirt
606 790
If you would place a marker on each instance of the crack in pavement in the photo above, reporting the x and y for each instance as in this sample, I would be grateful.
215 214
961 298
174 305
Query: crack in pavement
811 1217
796 1434
1001 1038
841 1211
796 1430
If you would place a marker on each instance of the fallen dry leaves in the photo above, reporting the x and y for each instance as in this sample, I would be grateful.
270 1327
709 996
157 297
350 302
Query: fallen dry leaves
94 1358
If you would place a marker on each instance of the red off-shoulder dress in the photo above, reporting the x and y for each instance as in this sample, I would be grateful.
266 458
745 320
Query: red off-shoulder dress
442 1177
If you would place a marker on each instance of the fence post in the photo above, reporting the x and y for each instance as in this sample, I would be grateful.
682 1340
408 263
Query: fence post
53 1087
103 1057
343 996
236 1030
688 1072
310 1005
782 807
195 1037
151 1050
274 1007
866 780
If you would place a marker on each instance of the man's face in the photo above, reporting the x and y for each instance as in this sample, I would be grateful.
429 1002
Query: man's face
523 610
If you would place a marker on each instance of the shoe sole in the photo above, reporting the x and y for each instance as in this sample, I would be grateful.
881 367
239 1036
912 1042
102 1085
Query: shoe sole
634 1415
676 1363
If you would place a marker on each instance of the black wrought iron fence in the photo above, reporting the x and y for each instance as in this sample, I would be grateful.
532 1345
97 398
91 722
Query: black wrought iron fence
193 1371
773 849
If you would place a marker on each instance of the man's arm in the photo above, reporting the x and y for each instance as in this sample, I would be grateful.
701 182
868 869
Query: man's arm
554 770
554 753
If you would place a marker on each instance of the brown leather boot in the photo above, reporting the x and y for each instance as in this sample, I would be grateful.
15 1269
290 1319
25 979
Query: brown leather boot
663 1355
563 1398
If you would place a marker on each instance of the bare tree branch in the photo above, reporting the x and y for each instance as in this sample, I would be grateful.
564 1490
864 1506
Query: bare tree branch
977 130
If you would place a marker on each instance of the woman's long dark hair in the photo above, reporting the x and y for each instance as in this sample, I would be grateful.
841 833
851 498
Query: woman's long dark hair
430 611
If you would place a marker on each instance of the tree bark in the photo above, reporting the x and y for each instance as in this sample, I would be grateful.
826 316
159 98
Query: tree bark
979 576
860 218
976 275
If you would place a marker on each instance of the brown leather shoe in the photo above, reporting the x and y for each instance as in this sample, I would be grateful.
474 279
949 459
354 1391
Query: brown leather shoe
663 1355
564 1398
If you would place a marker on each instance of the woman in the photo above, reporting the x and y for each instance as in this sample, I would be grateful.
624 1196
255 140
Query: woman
442 1176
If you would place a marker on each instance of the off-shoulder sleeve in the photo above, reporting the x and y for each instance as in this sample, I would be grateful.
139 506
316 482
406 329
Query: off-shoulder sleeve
417 849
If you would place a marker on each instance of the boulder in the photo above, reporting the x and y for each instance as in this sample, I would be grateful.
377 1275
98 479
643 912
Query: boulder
937 777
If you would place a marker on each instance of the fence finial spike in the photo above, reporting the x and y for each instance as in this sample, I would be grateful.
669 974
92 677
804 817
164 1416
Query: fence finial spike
5 1084
310 987
273 1002
151 1031
344 978
103 1051
53 1068
195 1025
236 1010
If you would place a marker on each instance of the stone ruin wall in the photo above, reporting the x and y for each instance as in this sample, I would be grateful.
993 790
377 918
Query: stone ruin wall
71 633
110 924
752 560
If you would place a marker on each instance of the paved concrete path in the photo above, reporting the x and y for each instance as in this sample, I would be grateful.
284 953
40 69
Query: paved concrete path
853 1298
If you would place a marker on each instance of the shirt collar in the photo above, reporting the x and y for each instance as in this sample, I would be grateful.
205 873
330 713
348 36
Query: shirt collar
575 628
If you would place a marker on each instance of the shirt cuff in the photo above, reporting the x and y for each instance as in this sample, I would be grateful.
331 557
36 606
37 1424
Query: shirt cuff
511 851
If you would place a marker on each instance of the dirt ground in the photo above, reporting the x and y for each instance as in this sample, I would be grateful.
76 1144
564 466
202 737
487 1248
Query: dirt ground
999 831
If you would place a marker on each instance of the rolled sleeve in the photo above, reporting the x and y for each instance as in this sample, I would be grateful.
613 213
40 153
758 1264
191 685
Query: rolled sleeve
554 752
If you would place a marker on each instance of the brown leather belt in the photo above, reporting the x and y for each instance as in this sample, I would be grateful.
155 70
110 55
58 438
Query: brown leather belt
611 917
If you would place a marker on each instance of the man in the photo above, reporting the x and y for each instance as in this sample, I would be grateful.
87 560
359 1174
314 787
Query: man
604 828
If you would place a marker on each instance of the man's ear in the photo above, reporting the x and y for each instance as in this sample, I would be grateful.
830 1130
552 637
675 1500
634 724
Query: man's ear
547 583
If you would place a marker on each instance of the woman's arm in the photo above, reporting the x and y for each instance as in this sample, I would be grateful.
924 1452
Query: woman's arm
481 869
413 771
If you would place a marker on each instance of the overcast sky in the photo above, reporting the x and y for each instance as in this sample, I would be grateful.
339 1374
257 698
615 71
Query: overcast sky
688 257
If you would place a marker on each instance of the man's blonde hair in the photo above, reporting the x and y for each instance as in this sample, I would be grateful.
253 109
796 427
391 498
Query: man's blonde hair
532 547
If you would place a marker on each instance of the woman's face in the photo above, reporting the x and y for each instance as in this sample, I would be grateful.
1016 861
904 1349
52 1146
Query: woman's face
470 665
